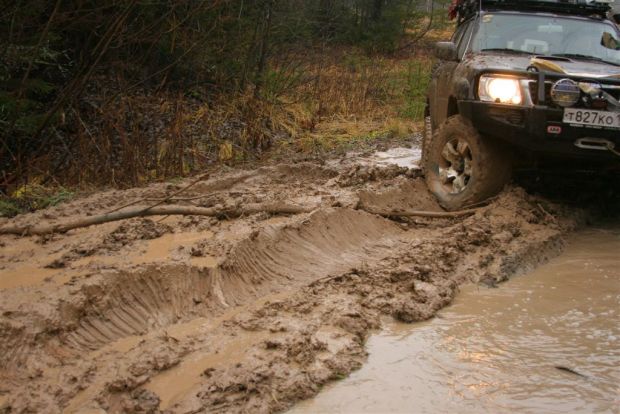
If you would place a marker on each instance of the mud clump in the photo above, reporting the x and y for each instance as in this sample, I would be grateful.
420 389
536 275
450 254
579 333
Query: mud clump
426 300
126 233
286 308
404 194
361 174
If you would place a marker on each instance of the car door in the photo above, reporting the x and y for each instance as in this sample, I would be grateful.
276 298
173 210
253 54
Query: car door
441 81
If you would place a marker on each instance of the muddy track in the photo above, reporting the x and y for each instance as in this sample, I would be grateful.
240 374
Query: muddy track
127 303
250 314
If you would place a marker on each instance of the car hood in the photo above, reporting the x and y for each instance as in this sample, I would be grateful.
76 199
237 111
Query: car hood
576 67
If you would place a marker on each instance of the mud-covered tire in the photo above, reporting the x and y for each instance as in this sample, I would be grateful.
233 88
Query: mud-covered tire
462 168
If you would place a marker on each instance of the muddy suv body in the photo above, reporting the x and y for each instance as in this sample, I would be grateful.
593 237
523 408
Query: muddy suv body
521 83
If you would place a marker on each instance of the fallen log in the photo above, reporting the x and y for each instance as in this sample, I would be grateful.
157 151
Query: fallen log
169 210
175 210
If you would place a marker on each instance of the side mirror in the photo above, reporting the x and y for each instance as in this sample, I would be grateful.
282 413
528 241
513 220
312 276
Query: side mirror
446 51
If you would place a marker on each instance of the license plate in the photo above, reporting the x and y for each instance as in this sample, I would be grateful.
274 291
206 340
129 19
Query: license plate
588 117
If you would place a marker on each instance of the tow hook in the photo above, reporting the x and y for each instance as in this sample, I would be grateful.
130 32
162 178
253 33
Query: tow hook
599 144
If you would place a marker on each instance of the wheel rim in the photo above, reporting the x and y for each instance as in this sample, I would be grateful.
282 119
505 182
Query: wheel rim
455 166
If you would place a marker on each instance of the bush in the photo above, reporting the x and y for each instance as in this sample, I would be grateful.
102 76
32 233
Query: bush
33 197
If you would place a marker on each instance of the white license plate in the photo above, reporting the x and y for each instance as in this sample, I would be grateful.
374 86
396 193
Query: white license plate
601 119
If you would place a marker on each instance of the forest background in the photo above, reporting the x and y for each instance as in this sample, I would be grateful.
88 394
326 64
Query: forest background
100 93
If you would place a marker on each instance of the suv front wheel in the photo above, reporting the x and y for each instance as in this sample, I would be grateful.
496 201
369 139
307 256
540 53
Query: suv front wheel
463 168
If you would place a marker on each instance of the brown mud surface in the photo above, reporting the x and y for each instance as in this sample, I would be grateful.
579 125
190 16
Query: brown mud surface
200 314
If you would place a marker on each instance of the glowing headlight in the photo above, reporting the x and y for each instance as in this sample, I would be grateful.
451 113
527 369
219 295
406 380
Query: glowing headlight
500 90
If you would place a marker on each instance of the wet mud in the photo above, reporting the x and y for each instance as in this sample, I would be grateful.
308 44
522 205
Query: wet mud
251 314
545 342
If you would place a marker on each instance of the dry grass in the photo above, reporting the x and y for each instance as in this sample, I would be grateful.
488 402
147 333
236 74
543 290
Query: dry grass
354 99
329 100
339 133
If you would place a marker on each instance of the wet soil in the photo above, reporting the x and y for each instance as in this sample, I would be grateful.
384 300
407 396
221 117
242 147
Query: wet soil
250 314
544 342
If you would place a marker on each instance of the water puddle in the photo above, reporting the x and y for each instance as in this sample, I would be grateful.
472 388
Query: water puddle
161 249
403 157
546 342
400 156
176 382
26 267
25 275
99 260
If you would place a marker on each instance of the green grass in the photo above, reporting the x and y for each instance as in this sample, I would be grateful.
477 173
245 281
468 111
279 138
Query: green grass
33 197
9 208
416 83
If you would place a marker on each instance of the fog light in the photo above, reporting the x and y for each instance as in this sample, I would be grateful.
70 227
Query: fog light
565 92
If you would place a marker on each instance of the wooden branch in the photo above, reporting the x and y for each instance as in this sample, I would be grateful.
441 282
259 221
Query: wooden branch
172 210
165 199
421 213
175 210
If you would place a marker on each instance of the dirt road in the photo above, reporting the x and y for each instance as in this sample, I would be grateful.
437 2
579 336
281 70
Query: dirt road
191 314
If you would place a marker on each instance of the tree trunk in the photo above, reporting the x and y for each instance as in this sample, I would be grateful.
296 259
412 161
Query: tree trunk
264 47
377 10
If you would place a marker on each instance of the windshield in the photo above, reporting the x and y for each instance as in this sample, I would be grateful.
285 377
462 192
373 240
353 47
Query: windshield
540 35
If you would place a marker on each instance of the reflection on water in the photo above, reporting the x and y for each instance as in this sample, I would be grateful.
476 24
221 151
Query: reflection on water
497 350
403 157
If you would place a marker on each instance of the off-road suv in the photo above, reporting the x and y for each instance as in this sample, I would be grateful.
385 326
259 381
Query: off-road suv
521 83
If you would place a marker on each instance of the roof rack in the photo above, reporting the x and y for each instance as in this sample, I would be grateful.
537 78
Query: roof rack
465 9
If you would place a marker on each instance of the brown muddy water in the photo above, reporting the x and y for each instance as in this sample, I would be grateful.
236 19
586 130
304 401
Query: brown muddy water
503 350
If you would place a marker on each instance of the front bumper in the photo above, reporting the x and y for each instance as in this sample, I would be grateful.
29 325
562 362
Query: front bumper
538 129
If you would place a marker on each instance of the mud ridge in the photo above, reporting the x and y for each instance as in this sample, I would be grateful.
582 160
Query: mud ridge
327 242
131 303
277 258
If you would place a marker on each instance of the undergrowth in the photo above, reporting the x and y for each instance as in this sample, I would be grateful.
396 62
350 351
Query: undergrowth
33 197
345 101
330 101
